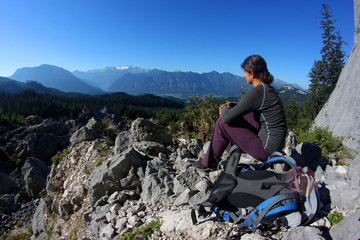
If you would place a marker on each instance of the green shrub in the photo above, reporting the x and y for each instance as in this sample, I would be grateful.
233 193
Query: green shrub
50 231
146 151
102 148
73 233
143 232
57 158
19 223
18 236
99 162
324 139
111 135
110 130
29 233
335 218
200 119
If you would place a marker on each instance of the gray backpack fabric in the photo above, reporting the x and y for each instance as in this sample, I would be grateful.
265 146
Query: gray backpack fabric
259 194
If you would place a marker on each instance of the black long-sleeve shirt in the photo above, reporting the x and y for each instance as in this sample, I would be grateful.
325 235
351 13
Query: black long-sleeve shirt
268 111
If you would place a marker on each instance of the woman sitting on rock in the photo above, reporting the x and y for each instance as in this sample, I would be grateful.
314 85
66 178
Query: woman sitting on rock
256 124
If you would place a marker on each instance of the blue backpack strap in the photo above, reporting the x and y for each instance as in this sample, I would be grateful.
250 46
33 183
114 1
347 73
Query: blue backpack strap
263 209
278 157
226 216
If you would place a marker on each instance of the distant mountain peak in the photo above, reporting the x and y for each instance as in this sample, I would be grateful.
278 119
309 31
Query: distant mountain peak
287 87
123 67
48 65
278 82
112 68
54 77
104 77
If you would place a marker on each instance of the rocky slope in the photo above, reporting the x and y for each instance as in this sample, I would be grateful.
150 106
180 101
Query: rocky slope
97 191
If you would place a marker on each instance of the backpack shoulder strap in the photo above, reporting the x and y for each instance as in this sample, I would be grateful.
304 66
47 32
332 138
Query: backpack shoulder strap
278 157
202 212
262 210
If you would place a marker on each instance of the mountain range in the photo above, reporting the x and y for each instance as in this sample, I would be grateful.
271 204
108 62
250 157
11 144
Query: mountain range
103 78
136 81
54 77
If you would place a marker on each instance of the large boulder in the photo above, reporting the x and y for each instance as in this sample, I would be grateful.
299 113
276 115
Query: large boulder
123 141
114 175
302 232
354 172
343 185
92 124
42 140
343 195
150 148
341 112
148 130
348 228
33 120
346 198
48 126
111 117
35 173
95 126
81 135
186 180
178 225
49 144
39 219
157 185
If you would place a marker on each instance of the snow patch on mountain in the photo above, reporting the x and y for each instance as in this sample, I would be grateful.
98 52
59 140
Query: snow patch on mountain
123 68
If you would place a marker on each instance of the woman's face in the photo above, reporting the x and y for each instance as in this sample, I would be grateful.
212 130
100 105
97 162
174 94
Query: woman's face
249 77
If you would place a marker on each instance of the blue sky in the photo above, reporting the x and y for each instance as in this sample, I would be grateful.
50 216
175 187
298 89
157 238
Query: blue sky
185 35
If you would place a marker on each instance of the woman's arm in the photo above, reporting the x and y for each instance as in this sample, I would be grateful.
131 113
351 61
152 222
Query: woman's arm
251 101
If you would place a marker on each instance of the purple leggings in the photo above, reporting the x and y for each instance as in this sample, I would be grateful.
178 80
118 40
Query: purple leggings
243 133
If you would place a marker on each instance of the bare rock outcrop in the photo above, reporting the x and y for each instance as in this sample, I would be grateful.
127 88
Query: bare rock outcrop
148 130
342 111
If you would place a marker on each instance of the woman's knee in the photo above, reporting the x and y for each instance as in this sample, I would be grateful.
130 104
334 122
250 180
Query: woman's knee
263 155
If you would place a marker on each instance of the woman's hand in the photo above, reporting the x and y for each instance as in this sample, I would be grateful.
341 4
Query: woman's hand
224 105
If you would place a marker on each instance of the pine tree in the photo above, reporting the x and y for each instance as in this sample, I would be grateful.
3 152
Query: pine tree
325 72
317 90
291 111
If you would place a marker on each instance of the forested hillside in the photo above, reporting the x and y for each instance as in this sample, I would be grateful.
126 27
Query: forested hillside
16 106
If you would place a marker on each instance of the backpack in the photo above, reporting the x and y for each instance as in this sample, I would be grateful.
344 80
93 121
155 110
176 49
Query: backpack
261 194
